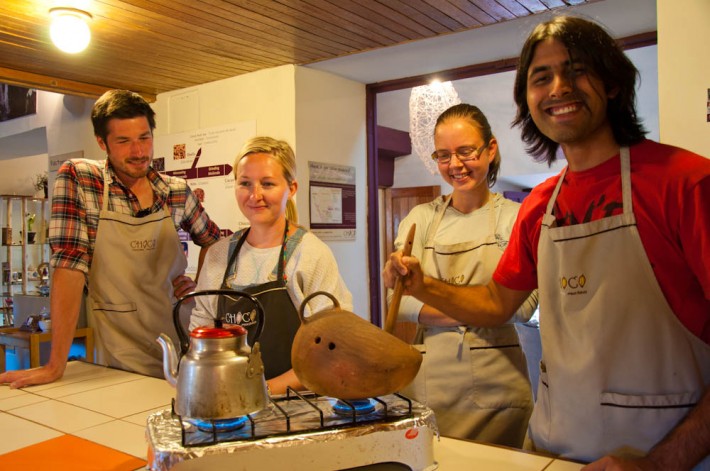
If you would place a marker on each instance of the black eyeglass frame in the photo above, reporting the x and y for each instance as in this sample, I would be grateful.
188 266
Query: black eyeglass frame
462 155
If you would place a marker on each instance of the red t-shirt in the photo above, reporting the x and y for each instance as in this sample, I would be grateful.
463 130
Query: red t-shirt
671 198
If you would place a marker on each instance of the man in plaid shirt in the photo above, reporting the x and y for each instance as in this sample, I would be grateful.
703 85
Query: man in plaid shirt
113 234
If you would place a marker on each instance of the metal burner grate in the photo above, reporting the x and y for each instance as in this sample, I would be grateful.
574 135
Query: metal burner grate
294 413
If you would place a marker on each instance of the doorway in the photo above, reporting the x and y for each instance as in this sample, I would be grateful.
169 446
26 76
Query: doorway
398 202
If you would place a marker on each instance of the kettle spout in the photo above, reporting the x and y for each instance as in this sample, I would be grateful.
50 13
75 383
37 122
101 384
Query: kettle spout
170 359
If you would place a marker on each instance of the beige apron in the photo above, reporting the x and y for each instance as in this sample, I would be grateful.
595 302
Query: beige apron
130 287
475 379
619 370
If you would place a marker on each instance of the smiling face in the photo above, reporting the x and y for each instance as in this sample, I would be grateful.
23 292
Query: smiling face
129 148
464 176
262 189
567 102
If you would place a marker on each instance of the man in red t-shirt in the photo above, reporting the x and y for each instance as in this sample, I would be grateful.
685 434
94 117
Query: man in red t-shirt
617 245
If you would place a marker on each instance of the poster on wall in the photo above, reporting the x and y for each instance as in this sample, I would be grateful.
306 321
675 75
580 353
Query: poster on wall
332 200
16 102
204 158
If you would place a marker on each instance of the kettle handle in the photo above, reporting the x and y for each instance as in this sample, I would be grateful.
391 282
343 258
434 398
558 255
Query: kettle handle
336 304
182 335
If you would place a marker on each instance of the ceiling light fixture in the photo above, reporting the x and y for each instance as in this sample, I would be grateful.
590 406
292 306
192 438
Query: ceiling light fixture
426 103
69 29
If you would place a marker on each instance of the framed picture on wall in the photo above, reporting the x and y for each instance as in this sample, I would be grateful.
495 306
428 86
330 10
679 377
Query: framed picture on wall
16 102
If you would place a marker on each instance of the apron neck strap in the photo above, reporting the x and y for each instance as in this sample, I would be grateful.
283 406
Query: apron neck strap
438 216
441 210
626 179
235 246
104 173
625 158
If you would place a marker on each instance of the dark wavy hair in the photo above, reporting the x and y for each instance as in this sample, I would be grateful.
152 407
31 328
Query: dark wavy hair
476 117
589 44
121 104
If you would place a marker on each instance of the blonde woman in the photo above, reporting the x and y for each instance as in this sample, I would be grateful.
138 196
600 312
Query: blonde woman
278 261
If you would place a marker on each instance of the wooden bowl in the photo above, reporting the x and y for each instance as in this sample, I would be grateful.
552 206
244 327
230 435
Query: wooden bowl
339 354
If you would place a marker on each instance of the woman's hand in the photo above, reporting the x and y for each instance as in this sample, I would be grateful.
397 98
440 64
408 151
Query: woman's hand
408 269
281 383
394 268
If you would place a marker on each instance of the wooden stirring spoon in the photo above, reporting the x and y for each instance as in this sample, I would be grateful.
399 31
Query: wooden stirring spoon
393 310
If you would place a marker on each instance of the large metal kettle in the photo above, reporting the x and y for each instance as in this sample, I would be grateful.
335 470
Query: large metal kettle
218 375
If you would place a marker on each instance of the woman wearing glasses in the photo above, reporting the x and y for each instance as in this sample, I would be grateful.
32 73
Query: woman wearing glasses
475 379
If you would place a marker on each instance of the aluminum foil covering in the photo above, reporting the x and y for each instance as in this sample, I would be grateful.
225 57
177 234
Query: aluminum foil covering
398 436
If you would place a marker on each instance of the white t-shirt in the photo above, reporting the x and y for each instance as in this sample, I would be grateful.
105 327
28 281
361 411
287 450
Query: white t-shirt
311 267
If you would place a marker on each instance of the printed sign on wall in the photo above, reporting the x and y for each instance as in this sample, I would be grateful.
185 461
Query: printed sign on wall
204 158
332 200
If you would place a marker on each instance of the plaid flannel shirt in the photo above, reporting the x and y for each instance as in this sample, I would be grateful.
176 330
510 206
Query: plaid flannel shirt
77 200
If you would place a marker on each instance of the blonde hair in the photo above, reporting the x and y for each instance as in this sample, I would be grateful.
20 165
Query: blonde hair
283 154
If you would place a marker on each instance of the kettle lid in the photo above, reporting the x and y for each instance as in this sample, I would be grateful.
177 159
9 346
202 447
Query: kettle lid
218 332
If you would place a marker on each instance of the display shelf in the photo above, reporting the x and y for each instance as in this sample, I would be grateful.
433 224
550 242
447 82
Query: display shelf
25 247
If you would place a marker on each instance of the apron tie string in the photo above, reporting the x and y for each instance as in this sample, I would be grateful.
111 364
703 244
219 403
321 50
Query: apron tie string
462 330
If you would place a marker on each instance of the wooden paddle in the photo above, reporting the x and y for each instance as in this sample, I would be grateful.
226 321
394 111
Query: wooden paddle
393 310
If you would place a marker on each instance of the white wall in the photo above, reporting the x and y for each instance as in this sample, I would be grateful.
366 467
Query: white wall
266 96
62 124
69 127
330 127
67 123
18 173
684 73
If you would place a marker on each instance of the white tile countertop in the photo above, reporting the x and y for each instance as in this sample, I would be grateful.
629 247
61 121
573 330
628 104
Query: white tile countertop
97 413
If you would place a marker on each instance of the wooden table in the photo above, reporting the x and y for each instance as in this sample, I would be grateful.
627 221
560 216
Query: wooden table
14 337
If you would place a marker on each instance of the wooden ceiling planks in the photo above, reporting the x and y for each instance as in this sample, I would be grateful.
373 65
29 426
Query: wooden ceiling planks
301 15
162 45
497 11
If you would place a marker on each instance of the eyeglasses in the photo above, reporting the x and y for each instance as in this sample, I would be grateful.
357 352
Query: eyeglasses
464 154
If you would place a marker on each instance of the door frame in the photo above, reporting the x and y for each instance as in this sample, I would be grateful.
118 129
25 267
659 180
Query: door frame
403 330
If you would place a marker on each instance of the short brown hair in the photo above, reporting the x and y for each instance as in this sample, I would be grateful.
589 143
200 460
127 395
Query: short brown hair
121 104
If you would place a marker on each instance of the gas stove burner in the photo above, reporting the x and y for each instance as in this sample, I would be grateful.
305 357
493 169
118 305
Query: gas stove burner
355 406
294 428
220 425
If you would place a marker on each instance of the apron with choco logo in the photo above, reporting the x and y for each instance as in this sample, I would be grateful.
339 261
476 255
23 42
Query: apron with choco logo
474 378
130 298
281 317
619 370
